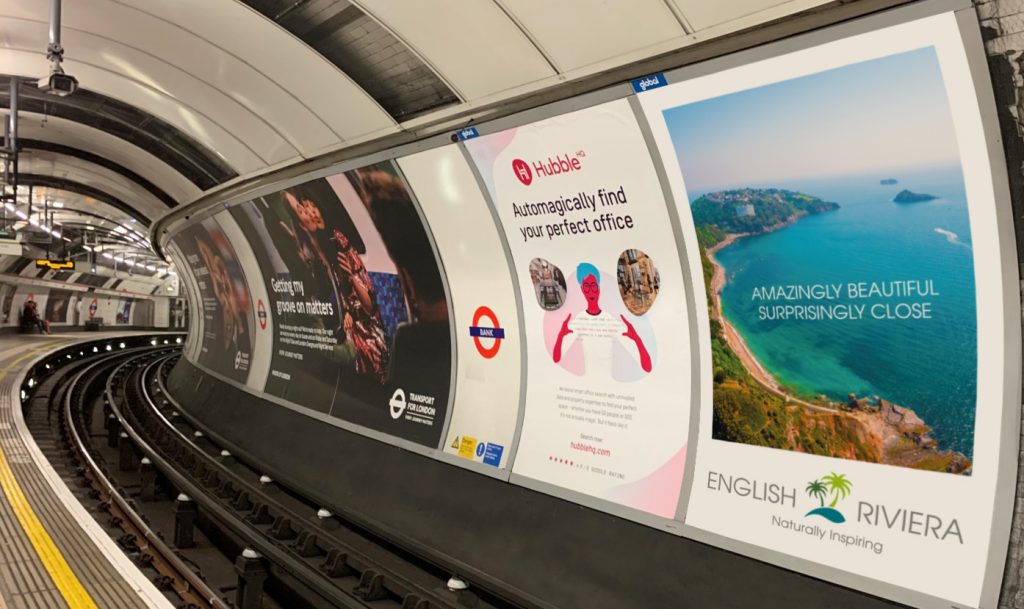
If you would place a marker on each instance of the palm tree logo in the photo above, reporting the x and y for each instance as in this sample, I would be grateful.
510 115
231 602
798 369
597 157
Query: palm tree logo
837 485
816 488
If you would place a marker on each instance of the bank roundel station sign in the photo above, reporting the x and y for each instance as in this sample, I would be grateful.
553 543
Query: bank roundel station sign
487 336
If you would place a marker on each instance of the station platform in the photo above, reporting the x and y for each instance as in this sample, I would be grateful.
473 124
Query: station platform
53 554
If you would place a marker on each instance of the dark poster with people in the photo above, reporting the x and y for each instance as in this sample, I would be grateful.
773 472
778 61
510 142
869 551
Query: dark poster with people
227 340
361 320
58 305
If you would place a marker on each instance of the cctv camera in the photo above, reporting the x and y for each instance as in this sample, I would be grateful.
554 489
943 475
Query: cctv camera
59 84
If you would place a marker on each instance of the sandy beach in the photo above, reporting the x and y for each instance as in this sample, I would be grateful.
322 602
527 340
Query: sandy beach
734 339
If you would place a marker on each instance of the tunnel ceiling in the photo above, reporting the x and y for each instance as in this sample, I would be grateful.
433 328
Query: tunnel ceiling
180 97
362 48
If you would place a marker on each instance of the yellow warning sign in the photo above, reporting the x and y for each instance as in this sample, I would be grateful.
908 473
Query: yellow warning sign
467 447
455 443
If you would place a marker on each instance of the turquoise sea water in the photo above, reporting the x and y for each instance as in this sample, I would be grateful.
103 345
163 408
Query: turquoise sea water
927 365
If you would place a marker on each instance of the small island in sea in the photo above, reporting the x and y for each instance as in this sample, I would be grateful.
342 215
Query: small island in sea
889 181
907 196
750 405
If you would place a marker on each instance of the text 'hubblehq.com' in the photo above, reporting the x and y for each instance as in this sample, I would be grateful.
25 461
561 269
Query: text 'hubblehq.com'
291 288
600 204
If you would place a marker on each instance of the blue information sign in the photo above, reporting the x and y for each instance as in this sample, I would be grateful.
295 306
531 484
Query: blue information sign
649 82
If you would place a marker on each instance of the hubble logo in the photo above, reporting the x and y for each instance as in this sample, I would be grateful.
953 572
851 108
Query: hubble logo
522 171
562 163
397 404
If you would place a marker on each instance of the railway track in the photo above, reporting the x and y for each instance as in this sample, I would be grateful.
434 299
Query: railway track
163 483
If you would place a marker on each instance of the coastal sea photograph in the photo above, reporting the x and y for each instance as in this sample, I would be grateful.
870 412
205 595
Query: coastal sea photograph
833 225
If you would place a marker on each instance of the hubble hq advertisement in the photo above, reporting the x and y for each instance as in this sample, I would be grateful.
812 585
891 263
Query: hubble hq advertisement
842 202
485 410
227 342
360 314
607 404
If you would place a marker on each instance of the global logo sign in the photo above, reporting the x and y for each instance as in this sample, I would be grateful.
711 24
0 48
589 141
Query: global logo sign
397 404
492 333
93 307
834 485
261 313
562 163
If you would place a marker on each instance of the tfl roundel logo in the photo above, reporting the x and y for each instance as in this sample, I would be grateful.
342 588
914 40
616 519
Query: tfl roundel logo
522 171
493 332
397 403
261 313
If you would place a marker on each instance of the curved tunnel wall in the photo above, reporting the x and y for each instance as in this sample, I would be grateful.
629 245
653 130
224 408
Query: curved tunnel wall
767 302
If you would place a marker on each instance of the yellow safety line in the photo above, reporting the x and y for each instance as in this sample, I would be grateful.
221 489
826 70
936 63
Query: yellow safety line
61 574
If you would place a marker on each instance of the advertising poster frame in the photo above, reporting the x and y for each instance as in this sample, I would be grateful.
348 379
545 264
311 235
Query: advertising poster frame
623 94
1005 420
337 169
259 364
224 278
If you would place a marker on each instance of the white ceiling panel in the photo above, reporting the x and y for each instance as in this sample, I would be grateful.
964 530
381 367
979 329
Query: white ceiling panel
472 44
282 58
76 135
176 88
42 162
602 29
115 27
702 14
233 150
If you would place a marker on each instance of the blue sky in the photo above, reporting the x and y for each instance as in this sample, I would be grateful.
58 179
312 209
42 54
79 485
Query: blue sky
875 117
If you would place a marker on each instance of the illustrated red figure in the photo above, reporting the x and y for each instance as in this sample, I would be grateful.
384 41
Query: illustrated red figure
590 285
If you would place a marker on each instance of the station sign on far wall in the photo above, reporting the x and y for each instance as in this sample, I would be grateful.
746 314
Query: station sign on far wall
361 327
607 404
842 201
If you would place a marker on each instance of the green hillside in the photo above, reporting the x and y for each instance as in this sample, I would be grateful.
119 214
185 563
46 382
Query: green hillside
754 210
